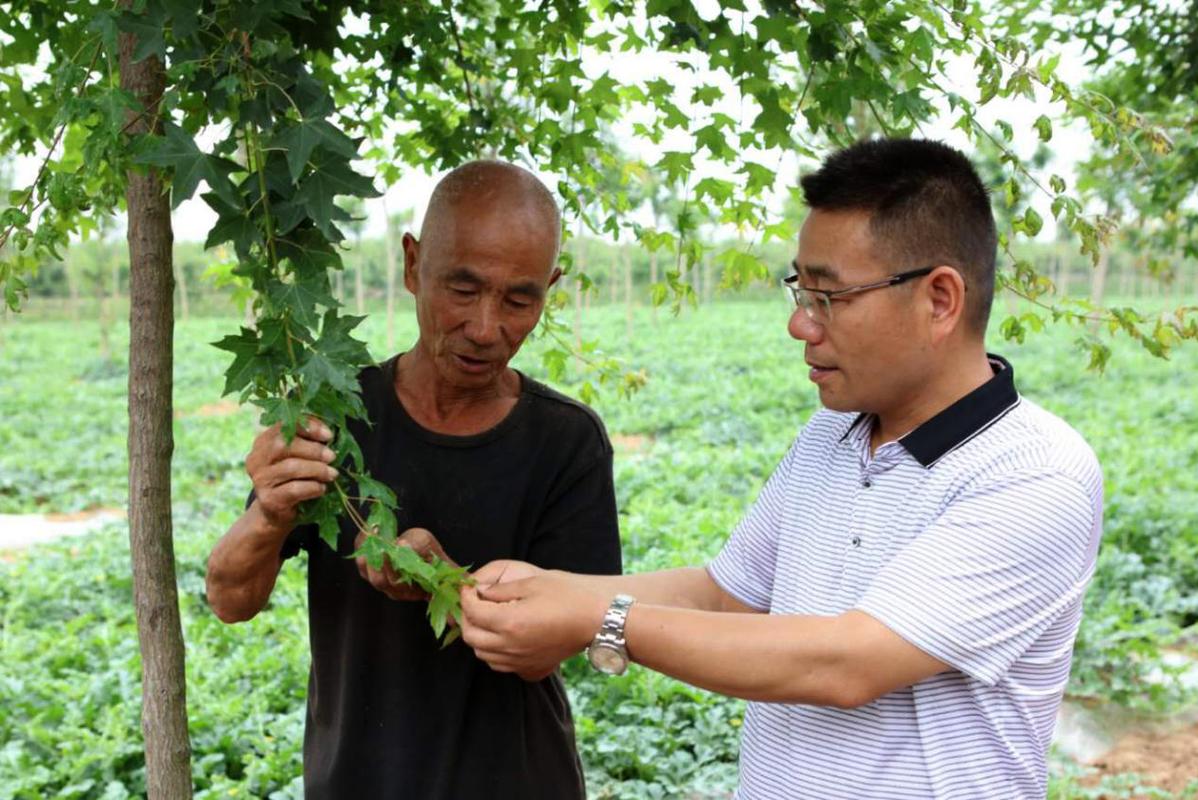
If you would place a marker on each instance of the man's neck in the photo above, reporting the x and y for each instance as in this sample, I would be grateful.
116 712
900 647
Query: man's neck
448 409
955 380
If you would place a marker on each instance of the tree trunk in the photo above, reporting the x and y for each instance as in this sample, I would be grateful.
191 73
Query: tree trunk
389 244
613 276
72 289
579 268
1098 279
708 277
151 327
104 319
652 283
181 281
359 285
627 259
339 285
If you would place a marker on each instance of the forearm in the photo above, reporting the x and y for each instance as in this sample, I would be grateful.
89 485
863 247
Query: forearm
243 566
770 658
685 587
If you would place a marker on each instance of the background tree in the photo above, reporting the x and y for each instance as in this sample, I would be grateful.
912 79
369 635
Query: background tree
394 227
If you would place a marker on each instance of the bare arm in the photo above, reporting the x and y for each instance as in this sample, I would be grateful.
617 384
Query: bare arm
684 587
841 661
244 565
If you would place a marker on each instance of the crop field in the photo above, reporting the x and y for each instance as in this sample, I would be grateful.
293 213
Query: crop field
726 393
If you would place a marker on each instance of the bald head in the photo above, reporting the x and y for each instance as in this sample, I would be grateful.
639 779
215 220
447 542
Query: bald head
486 190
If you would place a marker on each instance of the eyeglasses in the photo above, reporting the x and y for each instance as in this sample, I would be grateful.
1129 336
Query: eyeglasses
818 302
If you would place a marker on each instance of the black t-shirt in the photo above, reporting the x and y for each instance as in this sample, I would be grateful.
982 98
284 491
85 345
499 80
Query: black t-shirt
390 713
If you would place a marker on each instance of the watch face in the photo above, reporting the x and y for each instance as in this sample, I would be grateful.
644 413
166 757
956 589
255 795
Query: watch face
607 659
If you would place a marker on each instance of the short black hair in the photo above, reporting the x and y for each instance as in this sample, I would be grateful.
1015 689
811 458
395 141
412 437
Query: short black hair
927 207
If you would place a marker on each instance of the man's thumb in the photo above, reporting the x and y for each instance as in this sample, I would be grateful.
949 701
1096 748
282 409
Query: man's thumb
504 592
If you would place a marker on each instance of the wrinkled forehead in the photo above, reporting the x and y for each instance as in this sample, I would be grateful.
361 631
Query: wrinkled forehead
492 232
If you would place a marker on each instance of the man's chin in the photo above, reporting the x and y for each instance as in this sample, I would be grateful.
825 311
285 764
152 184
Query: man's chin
834 401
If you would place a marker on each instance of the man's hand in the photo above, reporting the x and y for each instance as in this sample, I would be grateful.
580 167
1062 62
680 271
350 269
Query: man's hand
530 625
285 475
386 580
505 571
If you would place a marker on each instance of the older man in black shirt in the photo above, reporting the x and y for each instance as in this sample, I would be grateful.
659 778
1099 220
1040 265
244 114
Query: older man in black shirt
486 463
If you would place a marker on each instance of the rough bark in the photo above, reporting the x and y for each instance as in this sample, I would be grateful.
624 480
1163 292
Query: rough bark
151 330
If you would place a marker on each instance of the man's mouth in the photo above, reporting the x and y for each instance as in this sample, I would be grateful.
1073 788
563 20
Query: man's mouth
471 364
820 372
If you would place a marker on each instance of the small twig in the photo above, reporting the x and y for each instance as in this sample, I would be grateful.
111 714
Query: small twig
453 27
26 208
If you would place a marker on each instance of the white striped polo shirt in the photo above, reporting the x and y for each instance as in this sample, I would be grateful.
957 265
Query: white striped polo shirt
973 537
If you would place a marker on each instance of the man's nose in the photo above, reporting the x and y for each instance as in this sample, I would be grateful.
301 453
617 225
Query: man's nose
804 328
485 325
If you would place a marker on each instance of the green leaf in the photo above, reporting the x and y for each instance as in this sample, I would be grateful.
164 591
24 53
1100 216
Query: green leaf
301 297
369 487
326 514
302 138
677 165
440 605
184 16
244 347
1044 127
177 150
105 23
336 342
381 519
232 225
330 178
286 411
147 27
410 566
1032 222
308 252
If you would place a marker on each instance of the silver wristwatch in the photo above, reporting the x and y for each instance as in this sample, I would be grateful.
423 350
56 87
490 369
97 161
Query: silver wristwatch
607 652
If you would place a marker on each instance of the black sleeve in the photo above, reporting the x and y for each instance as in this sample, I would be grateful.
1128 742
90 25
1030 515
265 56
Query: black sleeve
579 530
300 537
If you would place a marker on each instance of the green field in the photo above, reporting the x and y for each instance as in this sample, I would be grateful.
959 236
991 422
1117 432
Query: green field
727 392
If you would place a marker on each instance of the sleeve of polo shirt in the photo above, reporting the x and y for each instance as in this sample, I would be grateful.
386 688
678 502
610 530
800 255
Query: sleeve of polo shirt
988 577
745 566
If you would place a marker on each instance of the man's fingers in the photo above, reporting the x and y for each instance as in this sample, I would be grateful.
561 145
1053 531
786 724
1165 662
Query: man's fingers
386 580
491 573
480 612
304 448
312 428
291 469
480 639
425 544
505 592
288 495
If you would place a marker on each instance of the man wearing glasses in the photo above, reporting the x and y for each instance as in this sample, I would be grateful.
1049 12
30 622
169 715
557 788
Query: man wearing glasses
901 601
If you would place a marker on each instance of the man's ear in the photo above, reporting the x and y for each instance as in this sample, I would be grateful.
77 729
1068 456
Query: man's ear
411 262
945 290
553 277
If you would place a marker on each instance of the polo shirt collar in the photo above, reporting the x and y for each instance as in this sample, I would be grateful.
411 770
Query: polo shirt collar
960 422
